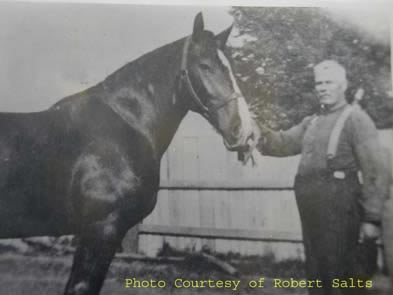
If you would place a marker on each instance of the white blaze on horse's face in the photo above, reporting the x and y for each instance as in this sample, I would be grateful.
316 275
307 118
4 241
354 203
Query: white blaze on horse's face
241 102
245 130
217 95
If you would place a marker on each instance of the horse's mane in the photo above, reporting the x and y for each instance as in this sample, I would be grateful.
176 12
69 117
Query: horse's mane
150 63
155 57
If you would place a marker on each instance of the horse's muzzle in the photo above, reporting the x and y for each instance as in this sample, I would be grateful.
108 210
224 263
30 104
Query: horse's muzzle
246 145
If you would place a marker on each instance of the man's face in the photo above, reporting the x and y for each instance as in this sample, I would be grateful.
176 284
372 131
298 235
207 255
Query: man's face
329 87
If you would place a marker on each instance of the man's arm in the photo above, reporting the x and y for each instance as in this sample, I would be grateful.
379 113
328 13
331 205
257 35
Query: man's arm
369 154
283 143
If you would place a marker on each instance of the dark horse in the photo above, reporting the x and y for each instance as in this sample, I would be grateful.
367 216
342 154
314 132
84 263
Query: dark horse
90 164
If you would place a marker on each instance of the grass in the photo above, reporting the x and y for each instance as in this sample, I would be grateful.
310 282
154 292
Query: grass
46 272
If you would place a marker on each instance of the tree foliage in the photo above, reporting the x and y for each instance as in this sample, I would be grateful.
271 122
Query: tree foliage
280 46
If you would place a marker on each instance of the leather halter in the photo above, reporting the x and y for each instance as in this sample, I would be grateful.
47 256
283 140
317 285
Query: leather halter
185 78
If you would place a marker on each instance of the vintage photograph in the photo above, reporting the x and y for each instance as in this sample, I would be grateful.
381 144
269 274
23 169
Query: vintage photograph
172 149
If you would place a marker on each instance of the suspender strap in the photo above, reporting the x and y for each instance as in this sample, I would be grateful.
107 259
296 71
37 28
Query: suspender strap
336 132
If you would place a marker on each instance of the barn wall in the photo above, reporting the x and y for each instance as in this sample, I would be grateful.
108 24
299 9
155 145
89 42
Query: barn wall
198 158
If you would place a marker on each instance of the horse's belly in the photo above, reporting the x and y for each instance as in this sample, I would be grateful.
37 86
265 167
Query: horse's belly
29 202
20 217
26 226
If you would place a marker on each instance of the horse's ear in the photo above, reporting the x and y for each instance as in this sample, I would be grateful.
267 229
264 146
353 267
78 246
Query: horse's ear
222 37
198 27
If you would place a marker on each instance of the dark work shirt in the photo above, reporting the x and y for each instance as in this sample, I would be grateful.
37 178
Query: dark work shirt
358 150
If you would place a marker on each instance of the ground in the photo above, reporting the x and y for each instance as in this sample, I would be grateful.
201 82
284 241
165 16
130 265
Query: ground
46 272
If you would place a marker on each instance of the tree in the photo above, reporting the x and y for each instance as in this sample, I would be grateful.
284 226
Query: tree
278 49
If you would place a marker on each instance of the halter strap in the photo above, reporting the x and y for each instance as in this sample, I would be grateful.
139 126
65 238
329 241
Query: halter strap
184 77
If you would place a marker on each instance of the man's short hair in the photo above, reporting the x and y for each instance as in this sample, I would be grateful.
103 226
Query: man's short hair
332 67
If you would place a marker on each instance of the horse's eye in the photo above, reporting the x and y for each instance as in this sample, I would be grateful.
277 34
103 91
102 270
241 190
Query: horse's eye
205 67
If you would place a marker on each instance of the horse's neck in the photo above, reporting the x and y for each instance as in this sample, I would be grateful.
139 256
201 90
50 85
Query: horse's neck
142 94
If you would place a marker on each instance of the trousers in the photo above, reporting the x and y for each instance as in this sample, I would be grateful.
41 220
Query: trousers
330 215
388 233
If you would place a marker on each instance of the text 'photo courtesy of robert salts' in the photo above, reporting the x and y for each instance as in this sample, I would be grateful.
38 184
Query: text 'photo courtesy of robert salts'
179 148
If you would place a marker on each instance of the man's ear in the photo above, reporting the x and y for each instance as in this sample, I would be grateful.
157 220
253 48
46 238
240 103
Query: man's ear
344 85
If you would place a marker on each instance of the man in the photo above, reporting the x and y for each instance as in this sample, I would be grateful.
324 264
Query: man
339 216
387 218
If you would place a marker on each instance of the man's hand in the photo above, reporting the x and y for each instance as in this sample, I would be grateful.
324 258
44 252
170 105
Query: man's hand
252 142
369 232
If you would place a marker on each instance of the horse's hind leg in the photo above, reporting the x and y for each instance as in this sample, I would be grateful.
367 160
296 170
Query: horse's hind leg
94 254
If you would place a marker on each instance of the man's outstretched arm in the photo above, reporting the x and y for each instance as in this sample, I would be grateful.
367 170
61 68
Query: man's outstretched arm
283 143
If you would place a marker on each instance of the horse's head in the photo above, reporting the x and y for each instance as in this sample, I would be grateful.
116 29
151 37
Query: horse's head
211 87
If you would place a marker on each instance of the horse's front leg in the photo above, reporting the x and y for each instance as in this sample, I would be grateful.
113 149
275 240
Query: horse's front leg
109 196
99 242
97 246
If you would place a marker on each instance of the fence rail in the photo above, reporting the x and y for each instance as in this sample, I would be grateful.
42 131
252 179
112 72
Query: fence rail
220 233
220 187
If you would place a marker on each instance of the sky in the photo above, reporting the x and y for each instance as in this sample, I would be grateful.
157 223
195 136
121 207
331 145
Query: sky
373 20
51 50
48 51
